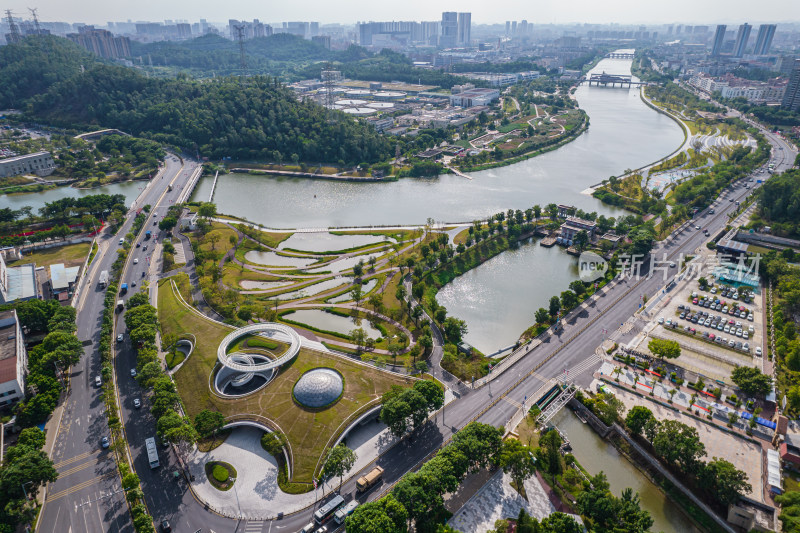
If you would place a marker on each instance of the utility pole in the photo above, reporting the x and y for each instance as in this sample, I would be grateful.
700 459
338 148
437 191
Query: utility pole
35 20
13 35
242 56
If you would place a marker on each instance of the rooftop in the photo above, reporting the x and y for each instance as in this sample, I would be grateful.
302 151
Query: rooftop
21 282
8 346
23 157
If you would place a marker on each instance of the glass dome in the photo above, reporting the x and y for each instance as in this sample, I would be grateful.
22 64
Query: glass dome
318 388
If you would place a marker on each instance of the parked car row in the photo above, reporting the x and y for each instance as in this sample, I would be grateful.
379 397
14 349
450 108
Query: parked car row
718 323
732 309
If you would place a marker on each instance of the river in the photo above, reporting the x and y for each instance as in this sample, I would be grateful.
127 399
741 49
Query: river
623 133
596 454
130 189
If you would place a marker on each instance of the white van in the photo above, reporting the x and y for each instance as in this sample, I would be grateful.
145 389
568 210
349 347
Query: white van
121 242
98 381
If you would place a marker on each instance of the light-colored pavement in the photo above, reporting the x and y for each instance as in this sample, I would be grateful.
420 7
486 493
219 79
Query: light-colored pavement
498 499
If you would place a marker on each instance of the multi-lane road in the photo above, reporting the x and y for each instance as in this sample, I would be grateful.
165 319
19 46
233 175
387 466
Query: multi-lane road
86 497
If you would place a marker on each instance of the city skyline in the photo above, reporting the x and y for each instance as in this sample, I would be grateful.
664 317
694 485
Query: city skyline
549 12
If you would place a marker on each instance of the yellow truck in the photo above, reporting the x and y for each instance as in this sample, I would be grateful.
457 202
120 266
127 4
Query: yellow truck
365 482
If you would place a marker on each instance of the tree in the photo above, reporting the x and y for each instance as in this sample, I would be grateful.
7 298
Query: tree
340 460
433 394
578 287
790 510
62 320
167 223
568 300
208 423
678 444
358 269
359 337
606 512
454 329
581 240
664 348
551 442
65 347
751 380
26 465
723 481
273 442
555 305
638 418
33 438
517 460
207 210
356 294
386 515
542 316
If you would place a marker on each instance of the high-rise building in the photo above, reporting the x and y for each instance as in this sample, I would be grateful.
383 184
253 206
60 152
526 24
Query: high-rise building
449 35
741 40
791 98
464 29
508 27
102 42
764 40
719 39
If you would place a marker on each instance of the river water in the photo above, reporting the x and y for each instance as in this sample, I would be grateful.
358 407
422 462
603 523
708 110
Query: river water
623 133
596 454
130 189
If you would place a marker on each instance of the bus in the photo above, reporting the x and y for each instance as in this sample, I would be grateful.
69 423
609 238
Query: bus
341 515
324 513
152 452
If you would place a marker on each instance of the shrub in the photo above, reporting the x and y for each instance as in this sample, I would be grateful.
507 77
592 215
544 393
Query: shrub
220 473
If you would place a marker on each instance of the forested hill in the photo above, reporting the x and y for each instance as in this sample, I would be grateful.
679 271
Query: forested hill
32 66
212 53
254 119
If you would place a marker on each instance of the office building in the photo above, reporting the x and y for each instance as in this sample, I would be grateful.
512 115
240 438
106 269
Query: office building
322 40
101 42
741 40
13 359
39 163
449 35
719 39
464 29
764 39
791 98
250 30
468 95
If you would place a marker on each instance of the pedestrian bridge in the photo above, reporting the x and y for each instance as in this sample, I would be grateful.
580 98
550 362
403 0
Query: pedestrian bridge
620 55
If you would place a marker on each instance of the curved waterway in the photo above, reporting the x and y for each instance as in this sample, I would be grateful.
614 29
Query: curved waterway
623 133
596 454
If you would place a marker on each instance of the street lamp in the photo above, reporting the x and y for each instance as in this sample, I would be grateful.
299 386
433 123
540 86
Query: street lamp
24 491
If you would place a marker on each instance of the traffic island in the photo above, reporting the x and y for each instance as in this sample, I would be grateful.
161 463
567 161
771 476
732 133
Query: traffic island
221 475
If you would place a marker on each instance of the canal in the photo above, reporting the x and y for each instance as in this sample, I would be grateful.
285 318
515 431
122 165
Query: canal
623 133
596 454
130 189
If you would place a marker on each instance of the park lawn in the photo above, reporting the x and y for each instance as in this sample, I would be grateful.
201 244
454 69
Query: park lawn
398 235
184 285
70 255
221 231
271 239
308 431
232 274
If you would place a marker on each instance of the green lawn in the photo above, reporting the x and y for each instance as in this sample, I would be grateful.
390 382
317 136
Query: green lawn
70 255
308 431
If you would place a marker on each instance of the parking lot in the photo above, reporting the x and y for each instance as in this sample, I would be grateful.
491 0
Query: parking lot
717 326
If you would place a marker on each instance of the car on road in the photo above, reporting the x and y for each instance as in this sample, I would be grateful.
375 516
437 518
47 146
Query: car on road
136 261
165 527
105 443
697 227
758 350
120 337
138 245
308 528
98 381
661 320
672 265
137 403
133 372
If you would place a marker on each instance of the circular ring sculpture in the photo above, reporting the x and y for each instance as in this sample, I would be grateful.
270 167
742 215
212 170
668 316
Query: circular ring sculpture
239 361
318 388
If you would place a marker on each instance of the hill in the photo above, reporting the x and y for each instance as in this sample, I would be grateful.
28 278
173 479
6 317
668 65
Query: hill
254 119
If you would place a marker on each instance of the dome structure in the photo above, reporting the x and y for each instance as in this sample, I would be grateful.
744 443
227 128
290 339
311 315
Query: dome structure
318 388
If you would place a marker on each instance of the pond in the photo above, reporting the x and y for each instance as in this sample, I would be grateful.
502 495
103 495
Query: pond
130 189
343 264
329 322
328 242
253 285
317 288
273 259
346 297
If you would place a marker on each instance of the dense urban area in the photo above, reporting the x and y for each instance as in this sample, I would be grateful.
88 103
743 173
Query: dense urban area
380 277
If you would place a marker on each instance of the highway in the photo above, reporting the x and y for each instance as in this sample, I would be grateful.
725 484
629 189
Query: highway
85 497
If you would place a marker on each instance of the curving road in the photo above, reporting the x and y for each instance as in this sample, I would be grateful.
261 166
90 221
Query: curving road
573 348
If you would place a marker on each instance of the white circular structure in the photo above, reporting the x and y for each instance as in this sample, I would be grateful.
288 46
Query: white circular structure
353 103
381 105
389 95
358 92
319 387
240 361
360 111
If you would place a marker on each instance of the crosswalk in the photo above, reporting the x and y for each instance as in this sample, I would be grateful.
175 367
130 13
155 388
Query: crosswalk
254 526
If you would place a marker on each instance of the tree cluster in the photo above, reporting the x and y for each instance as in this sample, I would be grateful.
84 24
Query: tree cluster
404 409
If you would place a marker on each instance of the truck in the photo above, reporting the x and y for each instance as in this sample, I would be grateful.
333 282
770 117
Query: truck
123 288
340 515
103 279
148 234
365 482
120 306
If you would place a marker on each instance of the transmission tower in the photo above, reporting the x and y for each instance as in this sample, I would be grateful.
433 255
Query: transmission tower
13 36
329 79
242 56
35 19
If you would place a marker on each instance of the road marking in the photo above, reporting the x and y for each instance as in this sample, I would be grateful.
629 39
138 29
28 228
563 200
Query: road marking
77 469
78 487
515 403
73 459
254 526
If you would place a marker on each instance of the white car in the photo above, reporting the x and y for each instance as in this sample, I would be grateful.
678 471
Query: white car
136 261
661 320
758 350
120 337
697 227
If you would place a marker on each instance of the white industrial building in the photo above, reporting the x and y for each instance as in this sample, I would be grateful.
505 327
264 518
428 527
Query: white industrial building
13 359
468 95
17 283
40 163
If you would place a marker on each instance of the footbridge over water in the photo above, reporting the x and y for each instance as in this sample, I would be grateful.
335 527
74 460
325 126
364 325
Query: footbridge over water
612 79
620 55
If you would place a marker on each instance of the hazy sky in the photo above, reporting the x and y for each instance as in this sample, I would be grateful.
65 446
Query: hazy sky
350 11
